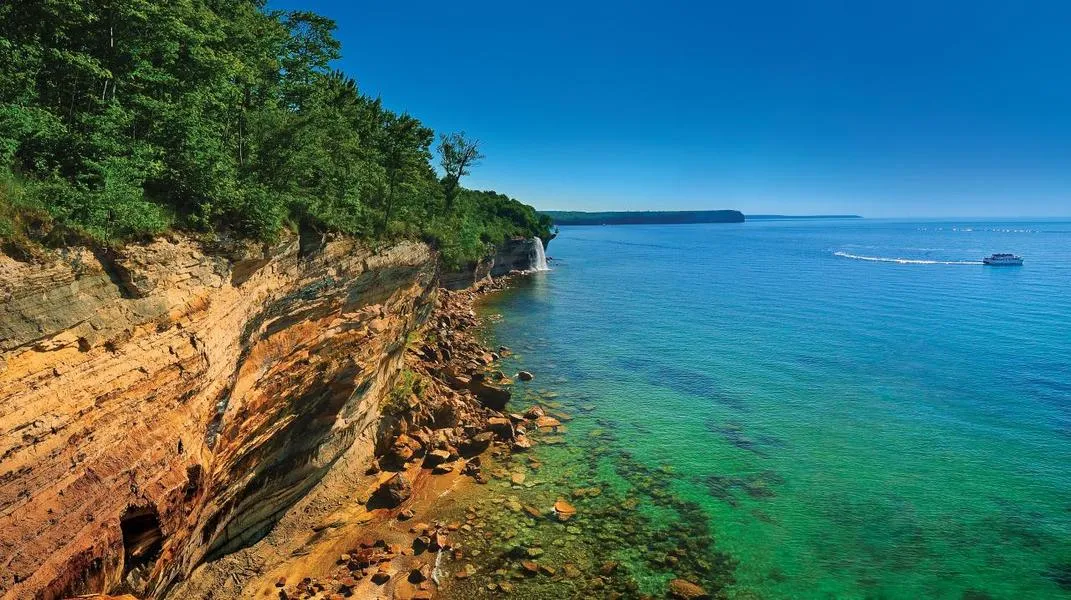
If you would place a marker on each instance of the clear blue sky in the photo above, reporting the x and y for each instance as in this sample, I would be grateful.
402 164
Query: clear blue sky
894 108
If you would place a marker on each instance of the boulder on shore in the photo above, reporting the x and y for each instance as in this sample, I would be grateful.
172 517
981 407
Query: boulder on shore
491 395
394 491
501 426
436 458
476 444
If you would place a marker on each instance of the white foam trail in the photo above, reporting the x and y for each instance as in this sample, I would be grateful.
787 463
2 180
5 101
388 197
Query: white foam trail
540 261
435 572
907 261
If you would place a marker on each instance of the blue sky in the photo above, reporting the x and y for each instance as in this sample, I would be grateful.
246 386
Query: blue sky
894 108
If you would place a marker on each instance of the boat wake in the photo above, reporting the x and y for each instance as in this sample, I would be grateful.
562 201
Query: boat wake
906 261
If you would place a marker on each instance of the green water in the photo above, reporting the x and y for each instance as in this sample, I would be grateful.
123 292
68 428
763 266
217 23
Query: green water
773 419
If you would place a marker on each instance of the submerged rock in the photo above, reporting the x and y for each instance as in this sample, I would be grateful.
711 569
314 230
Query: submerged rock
564 510
529 567
683 589
546 422
534 412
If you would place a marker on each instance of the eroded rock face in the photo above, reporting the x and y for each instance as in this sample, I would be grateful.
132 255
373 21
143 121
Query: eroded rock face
517 254
178 398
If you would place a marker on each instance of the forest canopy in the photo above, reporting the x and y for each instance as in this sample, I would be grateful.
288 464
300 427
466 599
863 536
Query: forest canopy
120 120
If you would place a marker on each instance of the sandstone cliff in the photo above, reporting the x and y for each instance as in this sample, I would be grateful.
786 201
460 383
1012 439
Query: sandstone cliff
518 254
165 404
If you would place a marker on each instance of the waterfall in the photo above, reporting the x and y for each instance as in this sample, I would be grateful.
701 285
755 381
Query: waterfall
540 262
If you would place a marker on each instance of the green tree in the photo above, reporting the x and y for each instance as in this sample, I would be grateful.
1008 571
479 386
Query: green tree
406 154
457 154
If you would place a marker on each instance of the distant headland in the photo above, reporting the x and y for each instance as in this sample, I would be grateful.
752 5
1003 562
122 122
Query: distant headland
645 217
786 217
668 217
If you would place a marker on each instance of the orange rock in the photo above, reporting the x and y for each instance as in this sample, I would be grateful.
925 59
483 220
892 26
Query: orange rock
564 507
546 422
686 590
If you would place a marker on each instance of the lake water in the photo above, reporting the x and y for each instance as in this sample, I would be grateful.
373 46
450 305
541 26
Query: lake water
818 409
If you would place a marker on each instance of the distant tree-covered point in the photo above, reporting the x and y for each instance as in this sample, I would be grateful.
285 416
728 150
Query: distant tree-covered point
791 217
646 217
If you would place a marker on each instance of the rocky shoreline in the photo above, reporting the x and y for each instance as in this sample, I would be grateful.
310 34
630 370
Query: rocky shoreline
455 505
372 445
397 535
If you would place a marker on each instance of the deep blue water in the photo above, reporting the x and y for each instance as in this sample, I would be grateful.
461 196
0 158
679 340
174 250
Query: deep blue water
851 427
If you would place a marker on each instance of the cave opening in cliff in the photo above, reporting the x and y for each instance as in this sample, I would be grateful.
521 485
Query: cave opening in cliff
142 541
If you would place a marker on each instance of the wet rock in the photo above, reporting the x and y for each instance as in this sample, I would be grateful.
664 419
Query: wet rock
476 444
438 541
521 443
393 492
525 376
421 573
532 511
436 458
406 514
683 589
443 469
529 567
533 412
501 427
491 395
401 451
517 478
421 543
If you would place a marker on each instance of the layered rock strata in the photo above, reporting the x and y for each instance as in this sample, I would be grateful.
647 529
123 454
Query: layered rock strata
165 404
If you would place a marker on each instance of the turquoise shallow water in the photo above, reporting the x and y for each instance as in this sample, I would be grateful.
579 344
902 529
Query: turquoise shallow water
847 427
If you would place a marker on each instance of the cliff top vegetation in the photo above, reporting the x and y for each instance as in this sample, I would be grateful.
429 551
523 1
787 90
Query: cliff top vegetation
120 120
